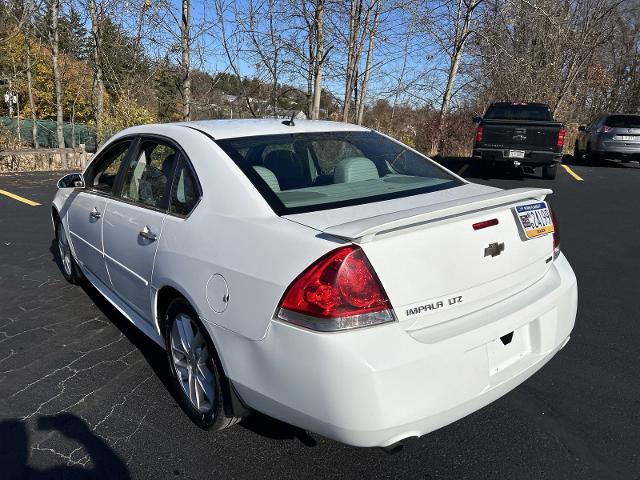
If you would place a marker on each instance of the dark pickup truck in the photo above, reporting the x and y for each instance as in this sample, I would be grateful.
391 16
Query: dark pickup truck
518 134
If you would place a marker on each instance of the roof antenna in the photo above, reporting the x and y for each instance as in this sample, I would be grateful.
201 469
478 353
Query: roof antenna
290 123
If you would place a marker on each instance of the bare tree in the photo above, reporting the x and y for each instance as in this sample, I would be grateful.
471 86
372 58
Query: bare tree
460 16
319 57
54 42
32 103
185 44
368 64
98 82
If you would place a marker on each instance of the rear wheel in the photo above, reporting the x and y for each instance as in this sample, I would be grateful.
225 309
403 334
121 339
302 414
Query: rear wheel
480 168
577 154
549 171
196 372
590 157
69 267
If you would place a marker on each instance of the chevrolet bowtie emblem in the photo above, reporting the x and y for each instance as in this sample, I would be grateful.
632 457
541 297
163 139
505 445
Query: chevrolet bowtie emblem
494 249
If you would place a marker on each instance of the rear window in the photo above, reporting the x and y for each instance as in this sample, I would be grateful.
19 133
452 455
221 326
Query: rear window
519 111
623 121
304 172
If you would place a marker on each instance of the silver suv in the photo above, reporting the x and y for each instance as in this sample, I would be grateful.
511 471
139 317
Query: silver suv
611 136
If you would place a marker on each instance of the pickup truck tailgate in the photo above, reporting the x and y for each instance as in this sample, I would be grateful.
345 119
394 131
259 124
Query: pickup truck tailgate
529 135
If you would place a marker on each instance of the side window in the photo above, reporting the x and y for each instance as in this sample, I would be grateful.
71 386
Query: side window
146 178
184 193
103 176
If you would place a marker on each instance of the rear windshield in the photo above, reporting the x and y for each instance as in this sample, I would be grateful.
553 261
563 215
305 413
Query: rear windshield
519 111
304 172
623 121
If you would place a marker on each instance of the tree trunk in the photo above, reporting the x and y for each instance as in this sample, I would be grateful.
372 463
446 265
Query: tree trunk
98 83
358 27
185 27
367 70
354 14
32 104
319 59
54 40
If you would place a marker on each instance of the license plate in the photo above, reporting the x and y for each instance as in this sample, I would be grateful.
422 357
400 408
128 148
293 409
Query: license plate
535 219
516 153
628 138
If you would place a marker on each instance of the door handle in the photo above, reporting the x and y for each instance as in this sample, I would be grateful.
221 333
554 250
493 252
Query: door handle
95 213
147 234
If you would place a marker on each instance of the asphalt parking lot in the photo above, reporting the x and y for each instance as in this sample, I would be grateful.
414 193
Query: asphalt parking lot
84 395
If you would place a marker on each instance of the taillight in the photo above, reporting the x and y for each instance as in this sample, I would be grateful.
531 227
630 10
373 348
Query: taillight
339 291
561 135
605 129
479 133
556 234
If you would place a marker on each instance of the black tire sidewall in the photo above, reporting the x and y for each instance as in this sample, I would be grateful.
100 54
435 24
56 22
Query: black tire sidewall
549 171
215 416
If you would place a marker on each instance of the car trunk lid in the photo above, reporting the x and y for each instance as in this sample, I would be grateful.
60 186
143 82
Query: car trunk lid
435 266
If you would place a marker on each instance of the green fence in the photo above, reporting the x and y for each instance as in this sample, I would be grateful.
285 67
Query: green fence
74 134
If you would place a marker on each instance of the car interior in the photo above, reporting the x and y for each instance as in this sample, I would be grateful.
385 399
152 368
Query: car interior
306 169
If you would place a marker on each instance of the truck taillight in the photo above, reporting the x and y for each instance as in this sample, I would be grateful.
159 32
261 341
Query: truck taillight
561 135
479 133
339 291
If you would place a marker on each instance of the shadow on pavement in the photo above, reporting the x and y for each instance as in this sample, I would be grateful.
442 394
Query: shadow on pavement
14 451
269 427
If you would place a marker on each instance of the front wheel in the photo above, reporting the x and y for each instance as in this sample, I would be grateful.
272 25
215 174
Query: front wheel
549 171
197 374
70 268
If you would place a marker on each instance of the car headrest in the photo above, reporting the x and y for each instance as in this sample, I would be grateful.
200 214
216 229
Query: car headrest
269 177
167 165
287 169
355 169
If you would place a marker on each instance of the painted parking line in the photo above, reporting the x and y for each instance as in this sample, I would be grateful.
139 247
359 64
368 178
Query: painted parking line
571 172
19 198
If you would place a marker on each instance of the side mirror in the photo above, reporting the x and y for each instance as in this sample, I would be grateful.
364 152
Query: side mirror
477 119
583 128
73 180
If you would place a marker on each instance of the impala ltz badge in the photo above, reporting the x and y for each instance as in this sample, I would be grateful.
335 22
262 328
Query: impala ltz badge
494 249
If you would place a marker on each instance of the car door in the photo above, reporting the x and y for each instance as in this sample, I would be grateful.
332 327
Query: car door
86 212
134 220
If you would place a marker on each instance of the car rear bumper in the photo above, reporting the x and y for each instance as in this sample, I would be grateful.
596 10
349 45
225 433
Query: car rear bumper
531 157
377 386
618 151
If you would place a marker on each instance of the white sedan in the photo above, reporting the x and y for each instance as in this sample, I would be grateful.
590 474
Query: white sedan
318 272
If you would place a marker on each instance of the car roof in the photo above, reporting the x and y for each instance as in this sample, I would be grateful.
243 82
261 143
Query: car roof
220 129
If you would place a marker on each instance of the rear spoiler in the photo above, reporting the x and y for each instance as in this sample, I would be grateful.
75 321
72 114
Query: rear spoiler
364 230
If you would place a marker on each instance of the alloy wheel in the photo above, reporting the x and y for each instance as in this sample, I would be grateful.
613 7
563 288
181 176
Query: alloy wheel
191 359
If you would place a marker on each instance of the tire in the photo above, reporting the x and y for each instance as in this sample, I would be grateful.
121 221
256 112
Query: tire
590 157
196 372
68 265
479 168
549 171
577 154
